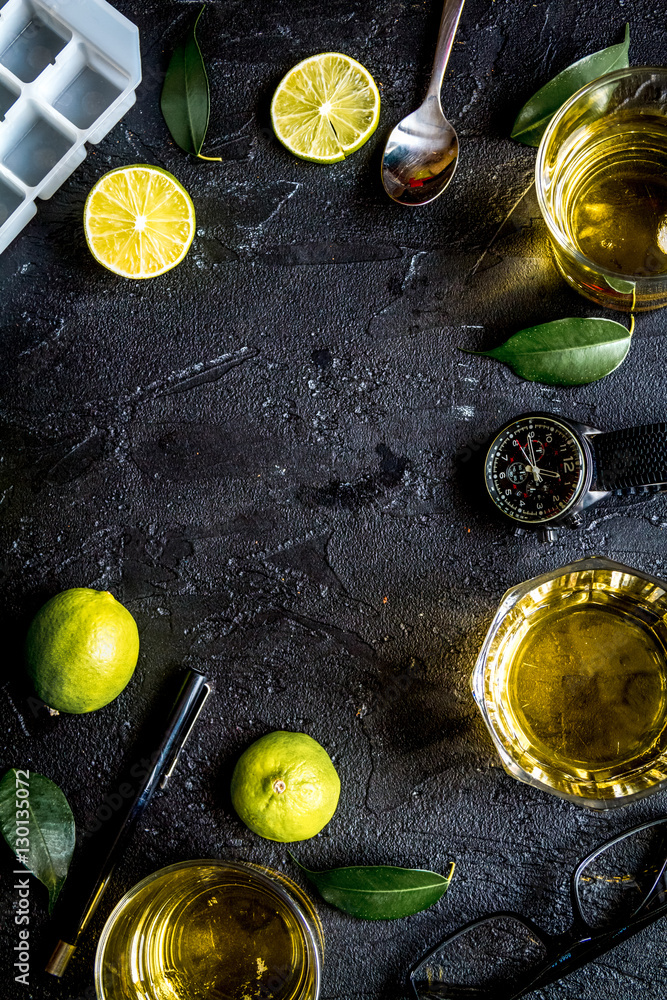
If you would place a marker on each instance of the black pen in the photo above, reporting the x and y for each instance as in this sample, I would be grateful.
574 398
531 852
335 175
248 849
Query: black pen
81 904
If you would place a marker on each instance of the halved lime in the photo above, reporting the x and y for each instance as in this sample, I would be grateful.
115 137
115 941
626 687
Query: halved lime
139 221
325 108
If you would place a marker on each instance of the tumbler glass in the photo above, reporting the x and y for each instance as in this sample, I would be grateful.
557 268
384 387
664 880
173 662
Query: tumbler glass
601 179
211 929
572 682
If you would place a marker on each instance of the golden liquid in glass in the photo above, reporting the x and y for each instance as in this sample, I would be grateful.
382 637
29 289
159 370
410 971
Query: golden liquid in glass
587 687
613 194
196 932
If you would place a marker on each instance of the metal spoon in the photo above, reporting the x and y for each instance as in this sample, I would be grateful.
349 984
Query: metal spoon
421 153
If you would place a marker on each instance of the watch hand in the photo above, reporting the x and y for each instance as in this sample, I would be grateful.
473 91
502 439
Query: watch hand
533 464
524 454
554 475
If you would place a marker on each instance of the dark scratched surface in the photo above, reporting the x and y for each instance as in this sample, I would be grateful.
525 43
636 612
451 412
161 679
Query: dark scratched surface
255 453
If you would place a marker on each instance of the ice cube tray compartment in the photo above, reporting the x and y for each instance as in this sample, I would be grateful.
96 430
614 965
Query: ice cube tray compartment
34 146
10 199
85 88
68 73
31 40
9 94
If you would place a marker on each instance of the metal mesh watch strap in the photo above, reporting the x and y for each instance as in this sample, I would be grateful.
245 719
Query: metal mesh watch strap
632 458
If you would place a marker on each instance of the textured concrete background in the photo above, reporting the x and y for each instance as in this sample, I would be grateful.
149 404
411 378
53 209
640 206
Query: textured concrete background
255 453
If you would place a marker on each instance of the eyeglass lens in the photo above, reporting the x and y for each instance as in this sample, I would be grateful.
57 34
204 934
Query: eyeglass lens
622 877
497 954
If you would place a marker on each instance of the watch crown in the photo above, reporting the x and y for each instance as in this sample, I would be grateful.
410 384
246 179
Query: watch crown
546 535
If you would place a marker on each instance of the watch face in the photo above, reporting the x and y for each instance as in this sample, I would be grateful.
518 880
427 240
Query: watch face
535 469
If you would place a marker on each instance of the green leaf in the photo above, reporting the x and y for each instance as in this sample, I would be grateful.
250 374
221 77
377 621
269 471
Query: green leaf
49 822
536 113
186 99
621 285
565 352
381 892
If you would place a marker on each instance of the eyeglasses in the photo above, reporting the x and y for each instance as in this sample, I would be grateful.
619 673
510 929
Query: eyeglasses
616 891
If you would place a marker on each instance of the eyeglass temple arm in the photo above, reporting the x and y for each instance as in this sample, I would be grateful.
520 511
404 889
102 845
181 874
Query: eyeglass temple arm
586 950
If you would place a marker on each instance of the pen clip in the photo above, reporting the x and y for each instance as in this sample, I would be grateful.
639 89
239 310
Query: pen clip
196 712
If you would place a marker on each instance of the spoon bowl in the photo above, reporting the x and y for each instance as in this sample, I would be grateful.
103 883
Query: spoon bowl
420 156
422 151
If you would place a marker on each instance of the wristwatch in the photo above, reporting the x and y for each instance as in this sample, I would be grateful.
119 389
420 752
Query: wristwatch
542 470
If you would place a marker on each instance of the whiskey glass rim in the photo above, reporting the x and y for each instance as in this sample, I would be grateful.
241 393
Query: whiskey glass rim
555 230
259 872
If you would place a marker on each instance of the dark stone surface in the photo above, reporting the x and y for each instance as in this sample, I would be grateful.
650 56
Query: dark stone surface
255 453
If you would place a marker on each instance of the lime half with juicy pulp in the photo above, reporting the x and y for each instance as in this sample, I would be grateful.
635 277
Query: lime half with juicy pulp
81 650
139 221
285 787
325 108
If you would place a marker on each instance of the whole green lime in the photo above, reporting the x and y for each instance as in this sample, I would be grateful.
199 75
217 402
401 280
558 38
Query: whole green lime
82 648
285 787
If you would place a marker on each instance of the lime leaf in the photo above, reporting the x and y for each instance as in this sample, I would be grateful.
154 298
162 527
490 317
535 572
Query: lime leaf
621 285
565 352
45 813
186 98
379 892
536 113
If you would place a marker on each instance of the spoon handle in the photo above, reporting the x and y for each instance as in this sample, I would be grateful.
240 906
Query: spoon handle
451 12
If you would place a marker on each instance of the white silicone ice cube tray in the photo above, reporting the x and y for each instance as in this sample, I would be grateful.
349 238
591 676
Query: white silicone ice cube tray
68 74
